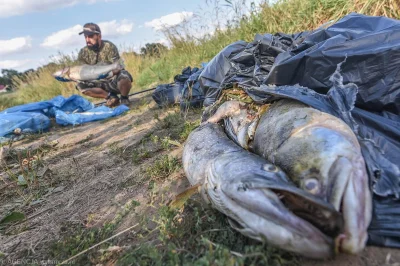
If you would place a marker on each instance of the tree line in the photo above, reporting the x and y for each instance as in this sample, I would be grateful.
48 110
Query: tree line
8 76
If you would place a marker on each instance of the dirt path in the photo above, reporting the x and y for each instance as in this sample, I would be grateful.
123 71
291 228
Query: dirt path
95 180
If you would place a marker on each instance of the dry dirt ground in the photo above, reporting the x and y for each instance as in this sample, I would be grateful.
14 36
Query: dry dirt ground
89 182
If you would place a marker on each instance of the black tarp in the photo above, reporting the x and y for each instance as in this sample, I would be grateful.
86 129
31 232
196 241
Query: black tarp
367 49
192 94
370 49
167 94
247 64
185 89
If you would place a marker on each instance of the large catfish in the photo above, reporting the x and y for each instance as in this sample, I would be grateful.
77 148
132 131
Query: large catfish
88 72
259 199
318 151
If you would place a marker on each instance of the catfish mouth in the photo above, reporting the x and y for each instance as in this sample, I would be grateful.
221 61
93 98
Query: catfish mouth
322 216
268 207
62 72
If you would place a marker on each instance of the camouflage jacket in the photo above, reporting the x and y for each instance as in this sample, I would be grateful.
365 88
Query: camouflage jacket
107 54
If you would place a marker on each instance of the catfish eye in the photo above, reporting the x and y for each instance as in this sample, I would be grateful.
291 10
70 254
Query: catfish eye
311 185
270 168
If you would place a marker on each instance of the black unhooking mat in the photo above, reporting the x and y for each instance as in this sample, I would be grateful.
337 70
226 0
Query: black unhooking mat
361 52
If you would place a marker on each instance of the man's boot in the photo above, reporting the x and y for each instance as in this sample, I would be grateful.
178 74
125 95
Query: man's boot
125 100
112 100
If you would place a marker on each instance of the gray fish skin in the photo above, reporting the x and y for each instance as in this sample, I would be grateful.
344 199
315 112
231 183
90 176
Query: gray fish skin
87 72
239 125
258 198
321 155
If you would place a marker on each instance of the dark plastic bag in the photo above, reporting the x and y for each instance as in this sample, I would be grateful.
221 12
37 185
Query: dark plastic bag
370 49
247 64
214 73
192 94
186 73
167 94
186 85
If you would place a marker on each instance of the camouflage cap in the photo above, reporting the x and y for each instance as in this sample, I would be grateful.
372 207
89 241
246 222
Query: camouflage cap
90 28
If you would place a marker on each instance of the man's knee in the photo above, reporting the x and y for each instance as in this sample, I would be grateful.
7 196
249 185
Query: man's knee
85 91
124 83
124 80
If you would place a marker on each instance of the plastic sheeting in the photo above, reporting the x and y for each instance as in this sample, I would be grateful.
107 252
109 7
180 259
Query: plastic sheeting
213 76
27 122
184 90
368 50
98 113
167 94
75 103
192 94
35 117
247 64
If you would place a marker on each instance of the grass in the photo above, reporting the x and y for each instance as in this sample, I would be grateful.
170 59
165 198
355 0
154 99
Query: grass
22 167
178 127
140 154
193 235
196 235
287 16
162 167
78 239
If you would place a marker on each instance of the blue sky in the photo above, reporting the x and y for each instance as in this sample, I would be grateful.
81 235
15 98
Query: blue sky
34 30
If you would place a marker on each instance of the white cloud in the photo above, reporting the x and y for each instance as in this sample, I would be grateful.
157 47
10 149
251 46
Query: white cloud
169 20
14 64
164 42
114 29
64 38
9 8
69 37
15 45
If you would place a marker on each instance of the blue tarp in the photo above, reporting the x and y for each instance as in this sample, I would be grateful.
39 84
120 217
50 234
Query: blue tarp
75 103
28 122
98 113
35 117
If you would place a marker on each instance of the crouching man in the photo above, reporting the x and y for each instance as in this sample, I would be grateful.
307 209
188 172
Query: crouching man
98 51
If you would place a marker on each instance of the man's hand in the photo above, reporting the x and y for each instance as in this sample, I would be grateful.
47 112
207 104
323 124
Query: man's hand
116 71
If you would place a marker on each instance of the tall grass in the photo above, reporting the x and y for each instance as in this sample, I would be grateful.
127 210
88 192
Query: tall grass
286 16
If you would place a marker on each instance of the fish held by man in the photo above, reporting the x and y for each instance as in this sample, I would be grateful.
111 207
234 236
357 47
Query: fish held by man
89 72
320 154
259 199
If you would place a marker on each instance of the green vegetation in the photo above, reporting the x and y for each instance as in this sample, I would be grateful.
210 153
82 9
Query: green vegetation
197 235
287 16
25 168
178 128
162 167
78 239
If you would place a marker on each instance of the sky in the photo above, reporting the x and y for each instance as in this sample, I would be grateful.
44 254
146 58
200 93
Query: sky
32 31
